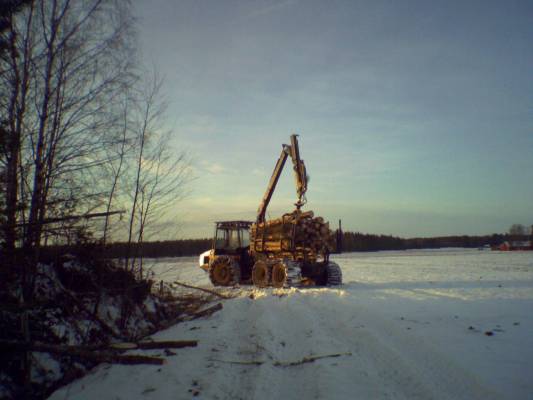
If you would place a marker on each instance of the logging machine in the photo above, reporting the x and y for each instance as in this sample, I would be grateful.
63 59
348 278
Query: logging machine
291 250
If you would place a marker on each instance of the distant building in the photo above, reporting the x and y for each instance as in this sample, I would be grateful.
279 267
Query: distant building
505 246
514 246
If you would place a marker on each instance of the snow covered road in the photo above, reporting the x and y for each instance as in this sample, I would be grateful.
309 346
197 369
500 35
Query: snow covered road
406 325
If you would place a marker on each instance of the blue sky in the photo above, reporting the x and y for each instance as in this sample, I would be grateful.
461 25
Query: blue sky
415 118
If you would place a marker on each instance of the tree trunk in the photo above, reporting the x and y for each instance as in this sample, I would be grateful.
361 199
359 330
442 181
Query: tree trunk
37 200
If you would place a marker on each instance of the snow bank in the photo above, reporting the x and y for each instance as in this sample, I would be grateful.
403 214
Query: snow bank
75 304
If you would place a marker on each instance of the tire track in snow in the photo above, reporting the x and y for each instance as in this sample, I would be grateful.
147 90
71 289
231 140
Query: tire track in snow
287 336
237 341
260 331
403 365
386 363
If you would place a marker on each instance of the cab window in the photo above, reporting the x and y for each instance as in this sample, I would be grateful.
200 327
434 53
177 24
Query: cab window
245 239
233 239
222 238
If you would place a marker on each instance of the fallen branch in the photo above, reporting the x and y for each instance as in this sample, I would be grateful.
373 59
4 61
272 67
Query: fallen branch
191 316
304 360
123 346
171 344
309 359
206 312
213 292
129 359
238 362
147 345
84 352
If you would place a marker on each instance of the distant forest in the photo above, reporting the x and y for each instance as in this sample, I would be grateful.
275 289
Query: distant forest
355 241
351 241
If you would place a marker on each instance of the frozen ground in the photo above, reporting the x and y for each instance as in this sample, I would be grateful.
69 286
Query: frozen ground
448 324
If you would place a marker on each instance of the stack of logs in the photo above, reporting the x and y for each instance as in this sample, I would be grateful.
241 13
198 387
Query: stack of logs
311 235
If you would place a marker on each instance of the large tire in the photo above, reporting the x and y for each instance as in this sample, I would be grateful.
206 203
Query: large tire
279 275
224 271
261 274
333 274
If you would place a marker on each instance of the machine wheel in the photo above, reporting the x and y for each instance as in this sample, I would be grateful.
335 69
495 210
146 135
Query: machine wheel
279 275
261 274
333 274
224 271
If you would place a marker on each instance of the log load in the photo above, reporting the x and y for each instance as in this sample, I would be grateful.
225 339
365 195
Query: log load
300 235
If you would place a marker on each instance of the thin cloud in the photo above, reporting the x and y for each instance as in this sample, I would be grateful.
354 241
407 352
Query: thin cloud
270 8
213 168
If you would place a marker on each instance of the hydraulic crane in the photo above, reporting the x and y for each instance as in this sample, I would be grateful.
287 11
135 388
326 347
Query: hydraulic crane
300 174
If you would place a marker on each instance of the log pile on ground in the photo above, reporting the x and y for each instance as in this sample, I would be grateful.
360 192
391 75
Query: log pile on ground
299 232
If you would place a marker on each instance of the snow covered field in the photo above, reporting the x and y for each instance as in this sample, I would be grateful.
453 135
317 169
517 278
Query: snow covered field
442 324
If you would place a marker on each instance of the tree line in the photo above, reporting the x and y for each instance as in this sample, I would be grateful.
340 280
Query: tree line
355 241
351 241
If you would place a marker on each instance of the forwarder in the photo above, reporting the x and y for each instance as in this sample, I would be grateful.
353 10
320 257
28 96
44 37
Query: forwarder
289 251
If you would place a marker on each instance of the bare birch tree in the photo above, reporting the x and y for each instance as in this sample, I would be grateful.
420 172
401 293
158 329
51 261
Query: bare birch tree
118 160
69 61
159 171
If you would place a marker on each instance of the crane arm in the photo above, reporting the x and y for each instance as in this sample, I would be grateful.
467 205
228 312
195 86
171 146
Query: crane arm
272 184
299 172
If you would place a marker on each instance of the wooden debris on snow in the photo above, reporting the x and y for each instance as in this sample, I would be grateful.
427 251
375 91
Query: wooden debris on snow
104 354
88 353
304 360
205 312
309 359
147 345
213 292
